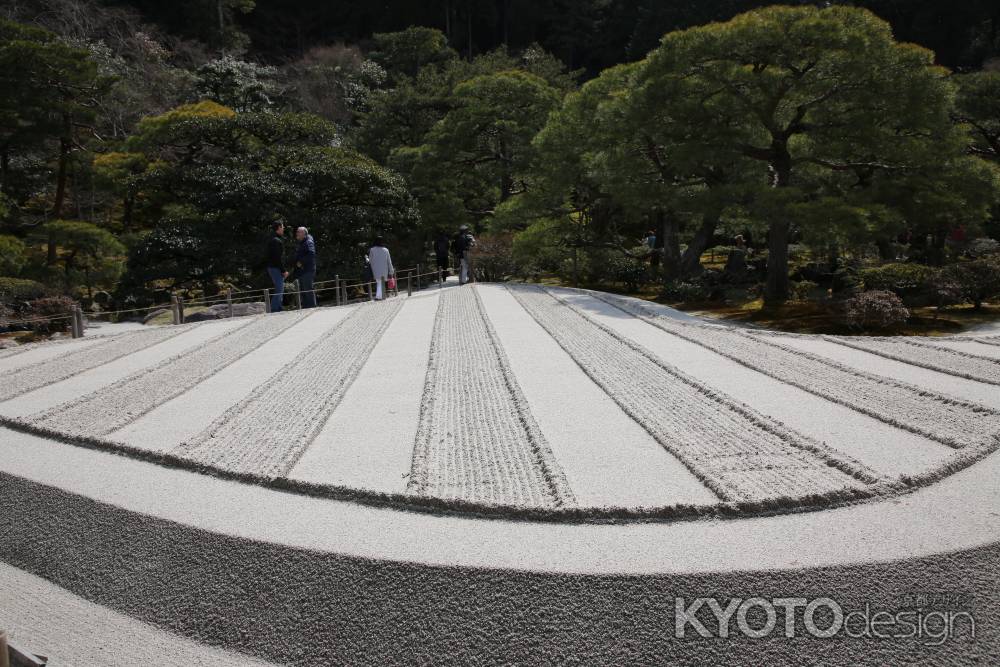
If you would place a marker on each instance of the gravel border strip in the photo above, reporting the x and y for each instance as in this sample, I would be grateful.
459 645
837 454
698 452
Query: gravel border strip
110 408
255 437
779 464
943 419
943 360
476 437
65 366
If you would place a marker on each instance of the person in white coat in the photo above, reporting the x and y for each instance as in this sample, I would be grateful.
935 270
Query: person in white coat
381 263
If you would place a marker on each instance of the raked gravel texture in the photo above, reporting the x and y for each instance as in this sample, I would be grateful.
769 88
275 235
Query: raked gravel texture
266 433
743 456
523 402
932 381
970 345
70 631
305 607
954 362
368 443
82 384
948 420
183 417
74 362
477 439
608 458
111 408
873 442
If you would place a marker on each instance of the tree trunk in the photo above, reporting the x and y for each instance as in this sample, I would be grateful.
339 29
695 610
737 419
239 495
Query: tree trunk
4 169
128 205
65 144
776 285
884 246
506 178
671 246
700 242
576 266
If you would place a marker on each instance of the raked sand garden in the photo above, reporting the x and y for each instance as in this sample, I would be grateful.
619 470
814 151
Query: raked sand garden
425 476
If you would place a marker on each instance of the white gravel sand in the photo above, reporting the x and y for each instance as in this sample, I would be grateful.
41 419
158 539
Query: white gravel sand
72 632
966 345
607 457
92 380
943 383
111 408
368 442
477 439
174 421
739 453
963 363
266 433
959 512
26 355
895 429
75 362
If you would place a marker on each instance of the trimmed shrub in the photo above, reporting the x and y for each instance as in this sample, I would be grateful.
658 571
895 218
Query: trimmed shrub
50 306
896 277
630 271
876 309
802 290
978 280
687 292
18 289
12 255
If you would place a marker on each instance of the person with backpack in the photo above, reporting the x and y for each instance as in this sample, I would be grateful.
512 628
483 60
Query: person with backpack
463 245
381 264
441 254
275 258
305 266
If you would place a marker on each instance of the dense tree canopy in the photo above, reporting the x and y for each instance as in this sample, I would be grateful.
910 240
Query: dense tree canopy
605 139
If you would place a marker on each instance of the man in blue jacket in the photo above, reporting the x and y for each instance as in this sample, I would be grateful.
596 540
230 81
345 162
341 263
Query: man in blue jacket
305 266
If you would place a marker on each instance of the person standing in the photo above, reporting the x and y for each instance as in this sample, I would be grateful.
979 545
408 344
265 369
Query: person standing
464 243
381 264
276 263
441 245
305 266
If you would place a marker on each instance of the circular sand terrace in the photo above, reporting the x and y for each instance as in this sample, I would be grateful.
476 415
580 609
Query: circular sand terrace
313 488
523 402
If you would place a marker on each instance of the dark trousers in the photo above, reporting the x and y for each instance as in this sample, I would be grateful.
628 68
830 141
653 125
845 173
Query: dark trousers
306 285
279 288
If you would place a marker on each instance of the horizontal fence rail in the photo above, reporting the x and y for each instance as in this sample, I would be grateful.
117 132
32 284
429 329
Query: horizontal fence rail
414 278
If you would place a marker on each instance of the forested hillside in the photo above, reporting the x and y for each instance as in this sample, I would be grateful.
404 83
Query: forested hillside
146 146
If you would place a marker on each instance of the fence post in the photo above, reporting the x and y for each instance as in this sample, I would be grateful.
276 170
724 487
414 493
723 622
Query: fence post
418 277
180 309
409 283
267 301
175 315
74 323
298 295
336 290
80 322
229 301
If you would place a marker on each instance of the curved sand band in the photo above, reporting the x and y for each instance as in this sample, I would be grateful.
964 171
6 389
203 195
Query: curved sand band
311 580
